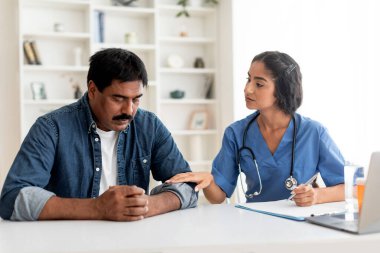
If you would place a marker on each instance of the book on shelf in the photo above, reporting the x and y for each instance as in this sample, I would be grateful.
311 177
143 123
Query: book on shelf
36 53
28 52
99 26
31 53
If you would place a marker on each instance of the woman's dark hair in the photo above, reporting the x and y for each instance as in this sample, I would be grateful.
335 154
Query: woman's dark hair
288 79
115 64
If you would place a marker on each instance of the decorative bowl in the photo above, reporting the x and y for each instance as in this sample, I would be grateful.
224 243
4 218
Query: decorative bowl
177 94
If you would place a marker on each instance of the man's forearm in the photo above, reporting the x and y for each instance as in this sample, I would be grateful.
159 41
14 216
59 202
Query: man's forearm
126 203
162 203
184 191
85 209
108 208
121 203
69 209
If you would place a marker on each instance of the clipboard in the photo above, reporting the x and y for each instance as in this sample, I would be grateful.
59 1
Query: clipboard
289 210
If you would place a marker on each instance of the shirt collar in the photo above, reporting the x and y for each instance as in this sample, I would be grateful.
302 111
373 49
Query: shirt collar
90 122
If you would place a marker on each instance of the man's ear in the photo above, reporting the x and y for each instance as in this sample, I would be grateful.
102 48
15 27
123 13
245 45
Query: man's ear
91 89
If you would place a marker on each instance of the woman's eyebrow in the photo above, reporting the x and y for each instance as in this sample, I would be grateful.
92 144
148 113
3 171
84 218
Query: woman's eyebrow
260 78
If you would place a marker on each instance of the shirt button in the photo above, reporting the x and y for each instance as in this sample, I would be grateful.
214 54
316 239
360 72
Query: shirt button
97 169
93 126
96 139
144 161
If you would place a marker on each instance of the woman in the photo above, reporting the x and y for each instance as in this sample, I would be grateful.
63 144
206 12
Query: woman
289 148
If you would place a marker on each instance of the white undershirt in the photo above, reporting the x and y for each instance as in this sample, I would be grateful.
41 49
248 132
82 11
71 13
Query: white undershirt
109 159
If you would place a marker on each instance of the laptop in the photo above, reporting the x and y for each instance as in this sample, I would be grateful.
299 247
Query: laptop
369 219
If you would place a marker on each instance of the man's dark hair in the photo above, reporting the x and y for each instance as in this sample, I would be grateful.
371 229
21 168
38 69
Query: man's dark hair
115 64
288 79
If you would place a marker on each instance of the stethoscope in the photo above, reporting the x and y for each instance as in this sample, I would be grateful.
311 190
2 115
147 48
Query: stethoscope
290 182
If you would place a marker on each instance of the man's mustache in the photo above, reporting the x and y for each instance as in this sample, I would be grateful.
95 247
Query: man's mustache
123 117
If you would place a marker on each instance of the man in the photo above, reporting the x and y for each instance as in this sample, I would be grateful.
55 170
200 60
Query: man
92 159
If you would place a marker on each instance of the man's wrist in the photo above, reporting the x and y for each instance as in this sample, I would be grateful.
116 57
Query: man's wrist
95 205
163 202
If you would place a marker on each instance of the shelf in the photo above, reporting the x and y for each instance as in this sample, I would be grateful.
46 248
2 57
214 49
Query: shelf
63 4
193 11
49 102
194 132
188 40
56 68
57 35
137 47
130 11
188 101
186 71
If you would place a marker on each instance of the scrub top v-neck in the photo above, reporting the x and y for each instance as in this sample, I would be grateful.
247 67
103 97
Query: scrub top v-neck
315 151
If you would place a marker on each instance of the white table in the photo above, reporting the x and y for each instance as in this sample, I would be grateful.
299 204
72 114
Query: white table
209 228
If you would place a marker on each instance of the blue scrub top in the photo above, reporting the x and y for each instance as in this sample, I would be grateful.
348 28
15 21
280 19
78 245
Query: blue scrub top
315 151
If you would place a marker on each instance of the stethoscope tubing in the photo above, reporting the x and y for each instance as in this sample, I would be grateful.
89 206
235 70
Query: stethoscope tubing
291 179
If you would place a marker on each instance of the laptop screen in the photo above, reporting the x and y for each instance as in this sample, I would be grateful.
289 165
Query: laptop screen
369 218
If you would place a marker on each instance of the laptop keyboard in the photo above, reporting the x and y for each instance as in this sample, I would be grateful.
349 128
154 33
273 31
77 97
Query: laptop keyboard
350 225
346 225
343 216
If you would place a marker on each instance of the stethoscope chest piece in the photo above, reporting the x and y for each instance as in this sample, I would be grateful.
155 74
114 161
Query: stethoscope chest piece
290 183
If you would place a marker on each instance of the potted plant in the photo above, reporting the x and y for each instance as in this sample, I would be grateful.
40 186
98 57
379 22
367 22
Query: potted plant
185 3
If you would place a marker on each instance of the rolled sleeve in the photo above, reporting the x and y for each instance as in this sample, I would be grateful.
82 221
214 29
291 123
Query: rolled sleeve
186 194
29 203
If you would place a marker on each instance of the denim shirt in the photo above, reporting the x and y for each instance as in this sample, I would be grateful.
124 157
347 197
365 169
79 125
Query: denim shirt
61 155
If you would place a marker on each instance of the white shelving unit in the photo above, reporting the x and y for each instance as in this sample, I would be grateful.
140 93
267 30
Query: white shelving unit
157 36
198 146
58 72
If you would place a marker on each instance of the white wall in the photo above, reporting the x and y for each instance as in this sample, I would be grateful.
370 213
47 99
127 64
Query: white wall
337 44
9 98
225 58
